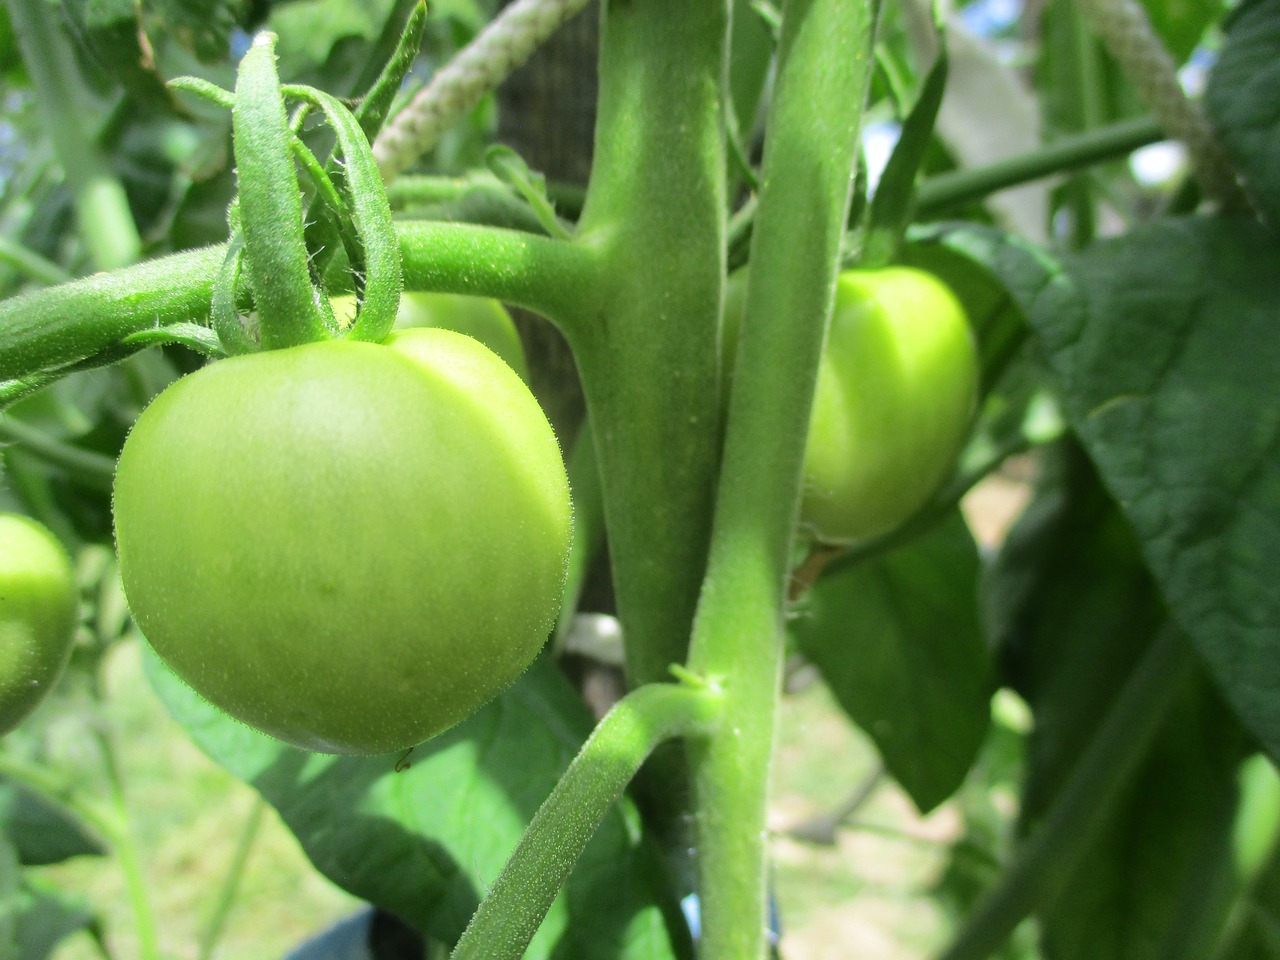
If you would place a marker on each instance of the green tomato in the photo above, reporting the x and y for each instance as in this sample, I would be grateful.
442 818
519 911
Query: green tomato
479 317
38 609
896 391
348 546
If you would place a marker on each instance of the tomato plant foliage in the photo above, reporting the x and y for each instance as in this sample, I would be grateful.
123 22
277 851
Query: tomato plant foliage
821 286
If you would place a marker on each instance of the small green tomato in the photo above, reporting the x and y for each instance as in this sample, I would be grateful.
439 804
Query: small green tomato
38 608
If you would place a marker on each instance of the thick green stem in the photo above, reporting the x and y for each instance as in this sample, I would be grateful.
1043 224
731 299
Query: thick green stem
102 209
1070 153
811 140
1047 862
50 328
523 892
655 217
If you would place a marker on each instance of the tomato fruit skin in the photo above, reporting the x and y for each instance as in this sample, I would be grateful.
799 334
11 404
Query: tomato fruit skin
480 317
348 546
896 392
38 609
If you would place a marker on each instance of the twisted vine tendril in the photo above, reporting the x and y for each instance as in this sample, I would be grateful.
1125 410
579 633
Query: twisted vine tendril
490 58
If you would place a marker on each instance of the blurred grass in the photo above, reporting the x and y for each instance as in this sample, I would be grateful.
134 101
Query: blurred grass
866 896
187 816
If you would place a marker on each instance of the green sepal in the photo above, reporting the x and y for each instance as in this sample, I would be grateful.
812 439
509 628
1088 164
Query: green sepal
275 250
373 109
377 266
193 336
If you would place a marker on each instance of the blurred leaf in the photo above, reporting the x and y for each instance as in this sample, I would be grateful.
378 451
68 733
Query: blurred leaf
203 27
1244 102
327 43
1255 931
1072 606
1069 605
1162 864
1161 341
42 832
1181 23
426 842
987 114
10 898
891 206
898 642
111 34
47 916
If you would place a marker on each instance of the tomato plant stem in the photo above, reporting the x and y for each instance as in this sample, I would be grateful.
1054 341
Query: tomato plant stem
1047 862
523 892
1070 153
62 325
654 219
823 72
231 884
126 848
102 209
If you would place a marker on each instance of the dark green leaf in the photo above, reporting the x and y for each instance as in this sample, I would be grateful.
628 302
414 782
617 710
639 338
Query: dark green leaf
1160 874
1243 98
1255 929
42 832
1165 352
1181 23
1070 606
110 34
47 916
427 842
898 641
203 27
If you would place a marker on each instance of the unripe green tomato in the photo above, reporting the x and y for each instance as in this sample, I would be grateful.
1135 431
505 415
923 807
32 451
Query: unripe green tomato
480 317
348 546
38 608
896 390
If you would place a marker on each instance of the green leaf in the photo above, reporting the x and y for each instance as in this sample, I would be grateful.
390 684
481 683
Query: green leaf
1243 102
42 832
1181 23
1255 931
898 641
203 27
10 898
46 916
1164 343
427 841
893 202
1070 606
1162 865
